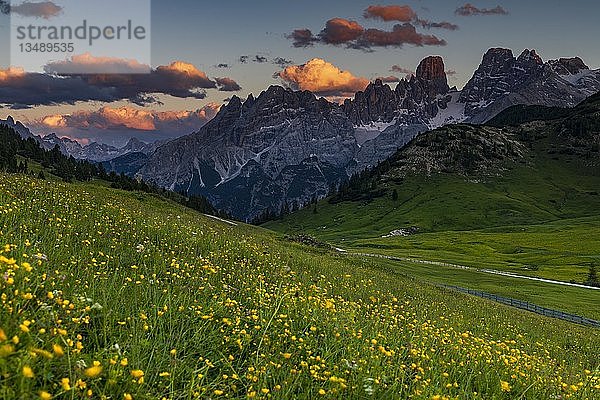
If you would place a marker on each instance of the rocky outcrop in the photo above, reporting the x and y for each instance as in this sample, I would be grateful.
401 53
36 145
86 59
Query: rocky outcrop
257 154
568 66
431 73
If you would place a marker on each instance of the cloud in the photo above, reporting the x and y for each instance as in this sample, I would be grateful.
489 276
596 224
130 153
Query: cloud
88 64
451 72
227 85
178 79
402 70
302 38
391 13
44 9
282 62
340 31
389 79
222 65
322 78
106 124
439 25
244 59
400 35
260 59
404 14
470 10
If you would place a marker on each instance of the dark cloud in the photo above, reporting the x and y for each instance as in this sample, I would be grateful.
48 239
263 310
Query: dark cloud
222 65
302 38
259 59
389 79
469 10
244 59
43 9
282 62
400 35
227 85
179 79
402 70
437 25
340 31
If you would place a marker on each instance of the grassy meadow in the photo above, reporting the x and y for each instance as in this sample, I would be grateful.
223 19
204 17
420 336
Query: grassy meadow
121 295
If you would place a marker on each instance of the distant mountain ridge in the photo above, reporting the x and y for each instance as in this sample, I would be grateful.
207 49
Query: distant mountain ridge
95 152
284 148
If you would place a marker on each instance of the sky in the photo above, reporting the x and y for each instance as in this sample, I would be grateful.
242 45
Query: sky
204 52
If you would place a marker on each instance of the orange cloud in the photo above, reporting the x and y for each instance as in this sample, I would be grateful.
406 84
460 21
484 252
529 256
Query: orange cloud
11 73
107 118
323 78
340 30
183 68
391 13
89 64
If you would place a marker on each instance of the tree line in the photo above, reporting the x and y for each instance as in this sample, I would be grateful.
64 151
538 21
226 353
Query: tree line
16 153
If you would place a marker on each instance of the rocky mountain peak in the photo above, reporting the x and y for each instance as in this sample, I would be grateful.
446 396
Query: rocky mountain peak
377 102
432 72
568 66
497 55
530 57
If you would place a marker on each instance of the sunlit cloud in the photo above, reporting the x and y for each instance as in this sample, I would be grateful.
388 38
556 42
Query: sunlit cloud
322 78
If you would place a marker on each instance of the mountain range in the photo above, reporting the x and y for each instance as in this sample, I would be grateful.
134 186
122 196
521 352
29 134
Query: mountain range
95 152
284 148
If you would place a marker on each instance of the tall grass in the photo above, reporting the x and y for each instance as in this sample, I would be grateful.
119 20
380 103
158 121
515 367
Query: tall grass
108 294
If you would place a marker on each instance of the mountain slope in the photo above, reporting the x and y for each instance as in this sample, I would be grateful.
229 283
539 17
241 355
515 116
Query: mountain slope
464 181
142 298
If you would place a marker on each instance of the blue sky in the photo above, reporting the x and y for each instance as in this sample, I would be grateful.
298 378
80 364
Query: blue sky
206 33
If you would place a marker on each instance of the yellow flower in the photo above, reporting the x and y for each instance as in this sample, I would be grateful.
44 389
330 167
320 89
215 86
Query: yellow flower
65 384
93 372
173 352
127 396
28 372
287 355
3 336
137 373
218 392
58 350
322 392
505 386
124 362
6 350
45 395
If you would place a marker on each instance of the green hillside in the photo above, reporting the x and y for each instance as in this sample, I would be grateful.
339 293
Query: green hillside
113 294
524 199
